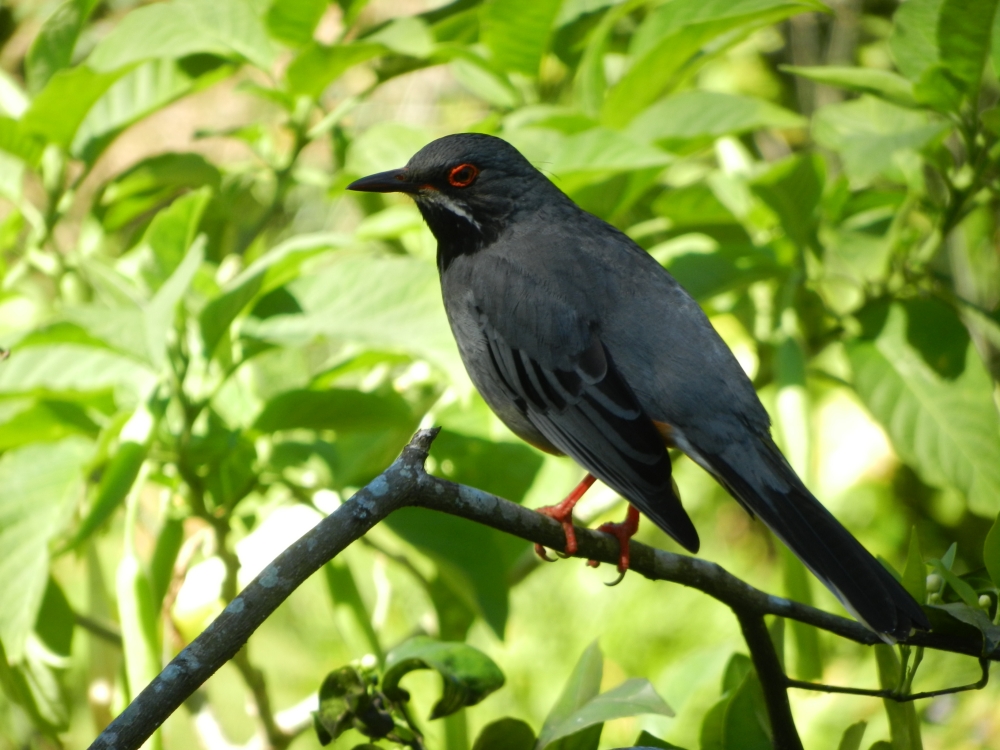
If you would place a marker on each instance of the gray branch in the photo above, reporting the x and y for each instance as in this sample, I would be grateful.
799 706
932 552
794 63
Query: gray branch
405 483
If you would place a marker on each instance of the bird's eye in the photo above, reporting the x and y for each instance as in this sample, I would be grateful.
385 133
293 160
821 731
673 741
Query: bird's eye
463 175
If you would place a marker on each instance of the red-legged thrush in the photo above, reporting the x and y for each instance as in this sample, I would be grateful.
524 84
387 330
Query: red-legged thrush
584 345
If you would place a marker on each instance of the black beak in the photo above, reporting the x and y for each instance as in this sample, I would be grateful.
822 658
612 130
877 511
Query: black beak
393 181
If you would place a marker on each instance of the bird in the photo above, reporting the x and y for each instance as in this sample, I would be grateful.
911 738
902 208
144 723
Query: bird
584 345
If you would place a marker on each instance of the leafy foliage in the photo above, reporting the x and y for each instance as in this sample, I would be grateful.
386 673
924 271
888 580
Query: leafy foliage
210 343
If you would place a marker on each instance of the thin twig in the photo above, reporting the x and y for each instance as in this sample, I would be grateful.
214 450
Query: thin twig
984 665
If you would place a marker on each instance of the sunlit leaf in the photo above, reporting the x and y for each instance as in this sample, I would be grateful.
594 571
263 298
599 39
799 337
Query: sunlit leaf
52 49
334 409
293 21
229 28
57 111
116 481
853 736
882 83
708 114
15 141
517 32
948 431
792 188
318 64
583 685
41 483
991 552
467 674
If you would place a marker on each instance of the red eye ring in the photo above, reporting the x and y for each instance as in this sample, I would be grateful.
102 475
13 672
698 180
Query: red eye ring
463 175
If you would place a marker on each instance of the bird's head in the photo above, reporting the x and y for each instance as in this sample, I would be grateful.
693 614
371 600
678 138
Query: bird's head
467 186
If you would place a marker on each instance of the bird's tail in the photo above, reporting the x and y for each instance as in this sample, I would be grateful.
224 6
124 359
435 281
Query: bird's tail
760 478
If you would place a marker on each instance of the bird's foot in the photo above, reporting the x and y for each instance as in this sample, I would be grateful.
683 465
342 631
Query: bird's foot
563 513
623 532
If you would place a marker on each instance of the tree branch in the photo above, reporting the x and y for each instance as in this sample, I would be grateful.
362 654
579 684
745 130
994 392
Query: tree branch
405 483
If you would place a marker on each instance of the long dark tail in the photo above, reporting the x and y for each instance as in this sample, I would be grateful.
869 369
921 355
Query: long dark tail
760 478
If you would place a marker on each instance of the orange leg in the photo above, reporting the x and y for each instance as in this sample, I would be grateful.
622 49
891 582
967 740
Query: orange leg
623 532
563 513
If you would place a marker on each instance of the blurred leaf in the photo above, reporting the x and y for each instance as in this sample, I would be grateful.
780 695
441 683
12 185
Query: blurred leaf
52 49
389 303
336 409
161 566
151 183
948 431
914 36
632 698
229 28
808 661
991 552
517 32
973 614
139 620
881 83
960 587
707 274
853 736
55 622
274 269
467 674
347 701
57 111
24 421
963 34
646 740
504 469
159 314
293 21
41 484
142 90
904 726
737 668
867 133
746 725
171 236
116 481
670 43
583 685
318 65
15 141
792 188
407 35
505 734
344 592
934 330
708 114
71 368
915 573
471 557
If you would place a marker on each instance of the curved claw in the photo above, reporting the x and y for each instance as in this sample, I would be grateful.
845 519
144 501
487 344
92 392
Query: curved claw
619 579
540 551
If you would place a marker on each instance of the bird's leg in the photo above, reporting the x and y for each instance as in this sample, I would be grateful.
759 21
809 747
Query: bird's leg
563 513
623 532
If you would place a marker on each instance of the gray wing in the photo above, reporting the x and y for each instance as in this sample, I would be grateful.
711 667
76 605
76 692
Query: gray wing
585 408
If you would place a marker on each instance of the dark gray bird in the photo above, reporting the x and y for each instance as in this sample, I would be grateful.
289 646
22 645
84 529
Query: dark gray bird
584 345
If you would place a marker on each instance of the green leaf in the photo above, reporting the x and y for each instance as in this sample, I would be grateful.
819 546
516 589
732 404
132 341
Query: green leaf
142 90
914 37
517 32
691 115
57 111
158 315
869 133
673 41
347 700
646 740
728 267
72 368
973 614
505 734
171 234
468 675
161 566
853 736
632 698
991 552
116 481
294 21
15 141
52 49
960 587
335 409
948 431
745 725
963 35
24 421
915 573
583 685
792 188
228 28
41 484
55 623
809 660
344 592
904 725
881 83
274 269
318 65
140 624
386 303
